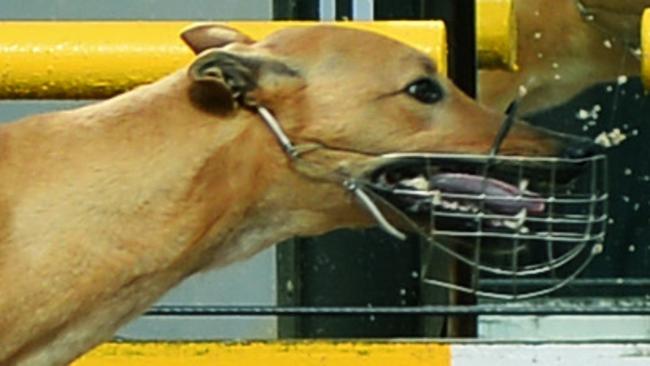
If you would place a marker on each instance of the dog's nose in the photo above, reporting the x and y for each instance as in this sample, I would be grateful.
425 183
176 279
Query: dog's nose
582 148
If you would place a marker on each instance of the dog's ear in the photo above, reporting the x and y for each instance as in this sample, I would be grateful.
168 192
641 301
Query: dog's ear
240 76
201 37
220 80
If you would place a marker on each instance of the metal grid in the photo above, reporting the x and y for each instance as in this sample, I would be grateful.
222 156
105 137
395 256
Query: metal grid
554 243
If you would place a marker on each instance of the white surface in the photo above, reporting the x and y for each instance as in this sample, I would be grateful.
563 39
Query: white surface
564 327
327 10
363 10
551 355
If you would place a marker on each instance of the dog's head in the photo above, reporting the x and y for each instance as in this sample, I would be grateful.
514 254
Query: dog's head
353 90
352 96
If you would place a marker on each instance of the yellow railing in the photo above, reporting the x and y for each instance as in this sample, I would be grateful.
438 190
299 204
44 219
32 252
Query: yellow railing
496 27
645 48
269 354
74 60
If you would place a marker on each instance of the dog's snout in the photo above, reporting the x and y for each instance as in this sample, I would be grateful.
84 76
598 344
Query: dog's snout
580 148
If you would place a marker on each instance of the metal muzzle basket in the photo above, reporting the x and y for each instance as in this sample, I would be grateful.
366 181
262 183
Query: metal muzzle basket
520 226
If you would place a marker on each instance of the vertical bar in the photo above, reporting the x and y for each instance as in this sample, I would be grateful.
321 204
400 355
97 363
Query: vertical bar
363 10
478 242
460 18
593 196
551 216
432 326
515 243
343 9
605 192
295 9
327 10
464 46
288 276
432 210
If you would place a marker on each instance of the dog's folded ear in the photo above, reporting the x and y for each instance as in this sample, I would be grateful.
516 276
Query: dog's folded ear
223 79
200 37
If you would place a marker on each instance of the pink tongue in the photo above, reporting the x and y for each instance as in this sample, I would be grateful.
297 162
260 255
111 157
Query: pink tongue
501 197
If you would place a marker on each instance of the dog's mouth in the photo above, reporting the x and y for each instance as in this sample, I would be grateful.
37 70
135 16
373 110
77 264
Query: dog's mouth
460 192
503 194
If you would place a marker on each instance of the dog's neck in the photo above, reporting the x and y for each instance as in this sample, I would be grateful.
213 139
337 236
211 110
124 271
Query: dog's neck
197 161
145 189
210 157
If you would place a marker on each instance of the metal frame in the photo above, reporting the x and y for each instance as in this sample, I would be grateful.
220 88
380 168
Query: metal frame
512 309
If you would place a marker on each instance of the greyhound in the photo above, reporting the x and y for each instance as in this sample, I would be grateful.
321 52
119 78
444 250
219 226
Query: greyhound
106 207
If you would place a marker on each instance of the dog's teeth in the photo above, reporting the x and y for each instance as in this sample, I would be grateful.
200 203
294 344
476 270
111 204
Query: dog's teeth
520 218
453 205
497 223
510 224
515 226
420 183
437 201
521 215
465 208
518 222
436 198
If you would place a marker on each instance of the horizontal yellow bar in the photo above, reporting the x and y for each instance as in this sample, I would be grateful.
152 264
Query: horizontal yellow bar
269 354
645 48
76 60
496 25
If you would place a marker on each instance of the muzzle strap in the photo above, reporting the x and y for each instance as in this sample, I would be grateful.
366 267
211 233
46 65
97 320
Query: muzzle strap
511 117
370 205
277 130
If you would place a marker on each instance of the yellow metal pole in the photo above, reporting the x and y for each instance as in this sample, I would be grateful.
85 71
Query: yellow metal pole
270 354
77 60
496 26
645 48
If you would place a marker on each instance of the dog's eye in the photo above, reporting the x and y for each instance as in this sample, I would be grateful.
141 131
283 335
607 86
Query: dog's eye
425 90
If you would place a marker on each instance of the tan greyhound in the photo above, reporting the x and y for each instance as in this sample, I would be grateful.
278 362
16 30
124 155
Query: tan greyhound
564 47
106 207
